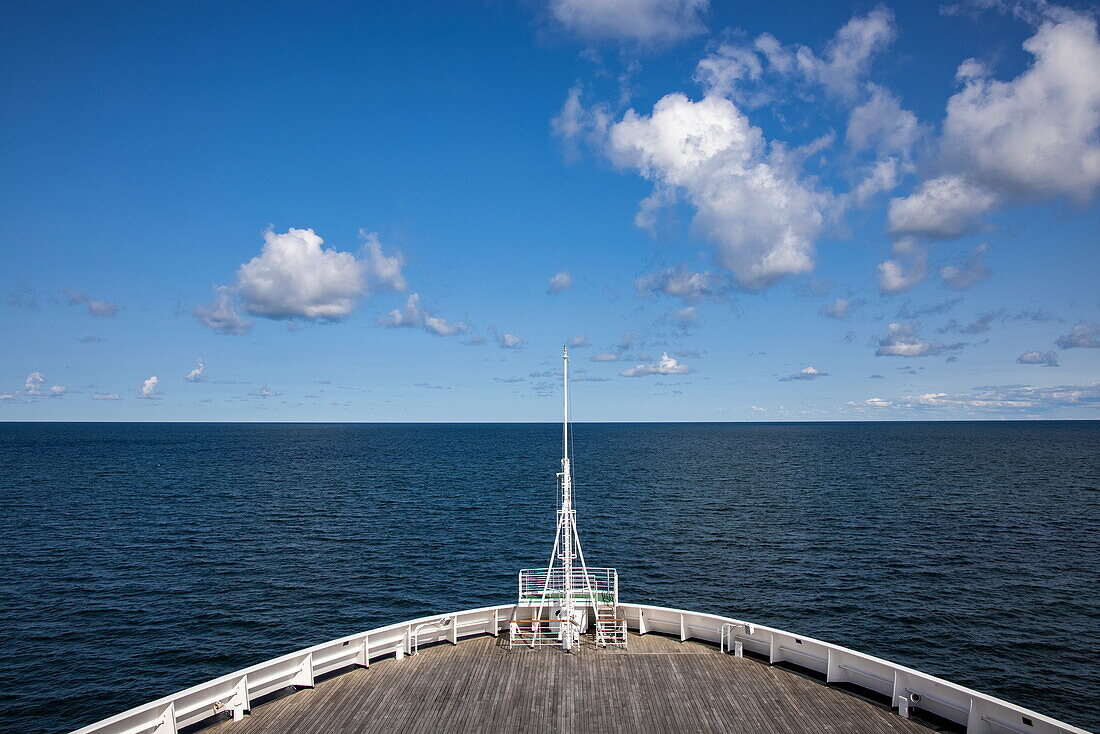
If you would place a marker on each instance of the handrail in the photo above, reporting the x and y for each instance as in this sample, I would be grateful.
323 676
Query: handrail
906 687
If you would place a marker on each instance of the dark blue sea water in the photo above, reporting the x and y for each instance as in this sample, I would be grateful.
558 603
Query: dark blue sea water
143 558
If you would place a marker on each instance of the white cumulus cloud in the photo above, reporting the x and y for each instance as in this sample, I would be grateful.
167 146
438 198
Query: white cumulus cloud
1082 335
1030 138
294 277
750 202
1035 135
149 389
666 365
33 383
942 208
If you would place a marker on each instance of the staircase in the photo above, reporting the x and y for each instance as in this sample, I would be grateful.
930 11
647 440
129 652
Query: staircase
610 626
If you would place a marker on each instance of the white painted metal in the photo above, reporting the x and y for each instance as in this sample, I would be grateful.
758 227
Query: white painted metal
562 595
981 714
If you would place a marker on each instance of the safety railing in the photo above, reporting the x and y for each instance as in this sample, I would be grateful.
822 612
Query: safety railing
907 689
234 693
600 586
535 632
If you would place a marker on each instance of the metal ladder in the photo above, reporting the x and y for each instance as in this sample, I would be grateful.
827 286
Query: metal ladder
610 627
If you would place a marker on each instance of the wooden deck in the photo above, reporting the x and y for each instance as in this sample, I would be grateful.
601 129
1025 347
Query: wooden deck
657 685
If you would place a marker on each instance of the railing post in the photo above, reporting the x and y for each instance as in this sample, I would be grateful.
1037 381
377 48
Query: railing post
641 621
454 630
304 677
167 722
496 622
239 704
899 699
683 628
363 660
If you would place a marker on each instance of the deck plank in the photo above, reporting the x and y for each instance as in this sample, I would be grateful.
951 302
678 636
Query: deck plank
658 684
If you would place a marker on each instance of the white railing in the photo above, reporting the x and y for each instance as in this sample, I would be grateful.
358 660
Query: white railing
233 693
535 632
536 588
905 687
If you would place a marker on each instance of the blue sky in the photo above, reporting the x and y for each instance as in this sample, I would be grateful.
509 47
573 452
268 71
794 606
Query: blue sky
777 211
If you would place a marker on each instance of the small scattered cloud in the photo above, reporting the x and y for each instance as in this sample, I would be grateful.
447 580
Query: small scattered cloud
414 316
106 396
901 340
685 317
876 377
196 373
23 296
33 383
666 365
980 325
968 274
908 312
605 357
647 23
95 306
840 308
908 267
508 340
1047 359
265 392
91 339
680 282
560 282
149 389
221 315
991 400
1083 335
578 342
806 373
513 378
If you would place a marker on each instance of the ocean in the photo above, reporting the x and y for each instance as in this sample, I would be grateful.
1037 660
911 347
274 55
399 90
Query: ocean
140 559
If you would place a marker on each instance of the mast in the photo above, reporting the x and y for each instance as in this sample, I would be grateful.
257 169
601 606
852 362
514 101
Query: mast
567 522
